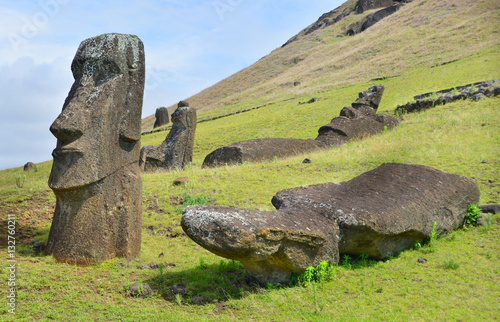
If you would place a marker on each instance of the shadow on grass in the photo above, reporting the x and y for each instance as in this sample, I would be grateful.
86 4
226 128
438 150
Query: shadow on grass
204 283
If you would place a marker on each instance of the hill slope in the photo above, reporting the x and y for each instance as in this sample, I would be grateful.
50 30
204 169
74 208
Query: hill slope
420 35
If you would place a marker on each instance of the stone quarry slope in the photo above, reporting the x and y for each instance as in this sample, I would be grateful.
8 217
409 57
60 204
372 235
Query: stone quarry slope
420 34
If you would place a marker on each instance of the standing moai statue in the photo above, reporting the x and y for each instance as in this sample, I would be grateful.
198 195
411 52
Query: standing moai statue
176 151
161 116
95 174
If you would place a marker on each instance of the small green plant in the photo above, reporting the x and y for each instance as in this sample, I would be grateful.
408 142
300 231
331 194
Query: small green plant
178 299
472 215
20 180
191 201
417 245
202 263
432 241
451 263
322 272
346 262
385 129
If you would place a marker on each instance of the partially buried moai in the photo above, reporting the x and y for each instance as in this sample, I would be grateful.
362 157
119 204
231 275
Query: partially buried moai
95 174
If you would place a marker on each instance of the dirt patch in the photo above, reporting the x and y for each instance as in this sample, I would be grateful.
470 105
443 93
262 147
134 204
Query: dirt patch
30 215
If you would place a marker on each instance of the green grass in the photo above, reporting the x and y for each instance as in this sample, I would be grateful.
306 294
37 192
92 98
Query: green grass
460 280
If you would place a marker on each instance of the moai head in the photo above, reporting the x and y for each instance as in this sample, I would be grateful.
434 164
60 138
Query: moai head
99 128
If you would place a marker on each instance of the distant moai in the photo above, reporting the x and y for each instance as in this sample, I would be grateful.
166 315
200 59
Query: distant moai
161 116
95 174
176 151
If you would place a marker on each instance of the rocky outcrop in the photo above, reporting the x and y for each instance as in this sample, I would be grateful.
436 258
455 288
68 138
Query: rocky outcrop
95 174
372 19
161 116
259 150
365 5
380 213
176 151
474 92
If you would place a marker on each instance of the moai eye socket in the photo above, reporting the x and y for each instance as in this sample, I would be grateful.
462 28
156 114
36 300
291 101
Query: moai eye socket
100 69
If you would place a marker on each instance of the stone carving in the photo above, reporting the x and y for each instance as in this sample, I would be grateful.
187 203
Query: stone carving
161 116
364 5
380 213
259 150
176 151
95 174
355 122
29 166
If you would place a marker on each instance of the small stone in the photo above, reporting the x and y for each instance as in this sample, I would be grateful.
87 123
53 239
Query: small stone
422 260
307 160
312 100
200 300
180 289
140 290
484 161
161 255
180 181
491 181
296 83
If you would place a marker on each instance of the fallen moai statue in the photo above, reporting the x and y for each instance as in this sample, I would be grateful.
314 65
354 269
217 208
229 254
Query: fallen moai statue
259 150
176 151
355 122
380 213
95 174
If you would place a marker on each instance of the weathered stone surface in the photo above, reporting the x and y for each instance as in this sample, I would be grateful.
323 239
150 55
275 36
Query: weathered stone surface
161 116
493 208
176 151
270 245
140 290
151 158
388 209
343 129
380 213
259 150
29 166
181 180
179 143
95 174
368 101
183 104
364 5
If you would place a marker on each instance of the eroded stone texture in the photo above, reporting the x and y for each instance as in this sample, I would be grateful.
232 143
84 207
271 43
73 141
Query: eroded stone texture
176 151
259 150
380 213
368 101
95 174
388 209
271 245
161 117
343 129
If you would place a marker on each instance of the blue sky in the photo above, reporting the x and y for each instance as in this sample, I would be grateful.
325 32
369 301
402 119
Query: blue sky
189 44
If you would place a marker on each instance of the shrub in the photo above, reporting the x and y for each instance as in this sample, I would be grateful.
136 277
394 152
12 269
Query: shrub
472 215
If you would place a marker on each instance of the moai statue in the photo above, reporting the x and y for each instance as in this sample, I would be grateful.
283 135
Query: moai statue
161 117
95 175
176 151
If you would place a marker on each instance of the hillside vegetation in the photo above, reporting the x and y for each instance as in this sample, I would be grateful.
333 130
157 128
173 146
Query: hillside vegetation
421 35
425 46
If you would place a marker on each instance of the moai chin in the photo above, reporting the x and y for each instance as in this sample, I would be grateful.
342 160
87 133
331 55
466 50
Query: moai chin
95 174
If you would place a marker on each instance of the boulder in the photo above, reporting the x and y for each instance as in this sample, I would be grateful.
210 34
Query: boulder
259 150
151 158
95 174
161 116
379 213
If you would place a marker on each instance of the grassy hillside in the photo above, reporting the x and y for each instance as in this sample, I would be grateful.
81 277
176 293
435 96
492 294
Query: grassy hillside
461 279
421 35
